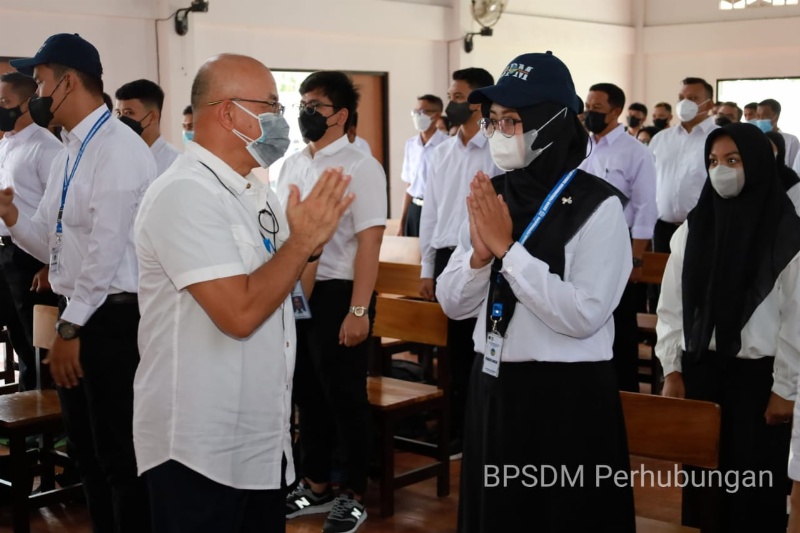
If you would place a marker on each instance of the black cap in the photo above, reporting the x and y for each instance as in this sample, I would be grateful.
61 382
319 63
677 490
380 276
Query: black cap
531 79
68 49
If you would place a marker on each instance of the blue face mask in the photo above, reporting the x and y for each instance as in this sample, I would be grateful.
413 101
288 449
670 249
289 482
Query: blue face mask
188 136
274 140
764 124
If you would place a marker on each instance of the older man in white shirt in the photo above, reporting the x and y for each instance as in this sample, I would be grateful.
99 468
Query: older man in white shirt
680 165
628 165
26 154
213 392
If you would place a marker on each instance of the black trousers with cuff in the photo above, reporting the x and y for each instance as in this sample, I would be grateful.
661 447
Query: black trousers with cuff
98 416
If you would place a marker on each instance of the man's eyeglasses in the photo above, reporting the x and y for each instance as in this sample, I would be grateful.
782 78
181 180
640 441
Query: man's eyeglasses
269 223
277 107
311 107
506 125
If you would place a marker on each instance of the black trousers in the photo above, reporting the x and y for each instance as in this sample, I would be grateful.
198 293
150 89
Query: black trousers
330 390
98 416
184 501
412 220
626 340
462 354
17 270
742 388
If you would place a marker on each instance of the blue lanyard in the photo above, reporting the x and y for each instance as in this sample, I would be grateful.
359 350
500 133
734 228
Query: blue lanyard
497 307
68 179
546 205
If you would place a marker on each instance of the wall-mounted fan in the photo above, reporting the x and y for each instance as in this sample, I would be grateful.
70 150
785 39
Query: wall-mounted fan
486 13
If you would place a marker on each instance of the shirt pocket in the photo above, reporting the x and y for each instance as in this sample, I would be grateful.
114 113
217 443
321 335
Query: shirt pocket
77 210
251 251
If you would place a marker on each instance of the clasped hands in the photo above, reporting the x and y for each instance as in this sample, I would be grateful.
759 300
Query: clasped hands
490 224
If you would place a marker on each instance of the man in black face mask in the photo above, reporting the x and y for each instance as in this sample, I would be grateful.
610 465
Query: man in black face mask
626 164
331 371
637 115
26 152
139 105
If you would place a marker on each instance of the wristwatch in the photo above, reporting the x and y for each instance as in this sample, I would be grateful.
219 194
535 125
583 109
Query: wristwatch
67 330
358 310
637 263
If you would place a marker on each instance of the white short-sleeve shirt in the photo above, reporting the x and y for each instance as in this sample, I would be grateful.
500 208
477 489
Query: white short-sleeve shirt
217 404
368 182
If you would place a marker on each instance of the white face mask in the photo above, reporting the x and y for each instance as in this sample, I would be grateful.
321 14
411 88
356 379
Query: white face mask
512 153
687 110
727 181
421 121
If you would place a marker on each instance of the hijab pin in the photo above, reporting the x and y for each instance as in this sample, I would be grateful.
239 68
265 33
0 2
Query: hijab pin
566 200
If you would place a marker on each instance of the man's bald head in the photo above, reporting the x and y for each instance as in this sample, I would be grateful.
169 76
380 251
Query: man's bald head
232 76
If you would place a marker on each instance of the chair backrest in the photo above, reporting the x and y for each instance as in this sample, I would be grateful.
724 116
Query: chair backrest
410 320
44 326
404 250
653 265
671 429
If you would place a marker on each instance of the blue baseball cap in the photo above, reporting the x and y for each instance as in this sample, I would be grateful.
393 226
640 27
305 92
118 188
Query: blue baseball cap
68 49
531 79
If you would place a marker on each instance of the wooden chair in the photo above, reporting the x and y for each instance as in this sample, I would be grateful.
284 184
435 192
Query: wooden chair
649 366
33 413
409 320
670 429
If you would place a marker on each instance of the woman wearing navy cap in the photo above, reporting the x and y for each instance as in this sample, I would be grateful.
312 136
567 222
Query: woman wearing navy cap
542 265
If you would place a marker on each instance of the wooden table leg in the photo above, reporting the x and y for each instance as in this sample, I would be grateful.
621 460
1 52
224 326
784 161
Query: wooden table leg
387 466
19 484
443 479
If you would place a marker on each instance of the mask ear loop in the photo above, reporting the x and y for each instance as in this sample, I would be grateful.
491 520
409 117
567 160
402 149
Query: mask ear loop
236 132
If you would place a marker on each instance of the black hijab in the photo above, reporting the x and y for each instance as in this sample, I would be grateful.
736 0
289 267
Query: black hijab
736 248
788 176
525 190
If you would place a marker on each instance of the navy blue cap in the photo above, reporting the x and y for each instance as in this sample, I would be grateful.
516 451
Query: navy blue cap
68 49
531 79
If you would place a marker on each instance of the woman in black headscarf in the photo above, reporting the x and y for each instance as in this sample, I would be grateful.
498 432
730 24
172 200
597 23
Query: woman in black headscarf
788 177
729 326
542 265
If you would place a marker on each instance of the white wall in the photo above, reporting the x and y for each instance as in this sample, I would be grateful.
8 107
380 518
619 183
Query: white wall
672 12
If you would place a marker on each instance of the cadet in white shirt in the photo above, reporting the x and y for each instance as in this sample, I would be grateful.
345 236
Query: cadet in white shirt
26 154
727 325
352 136
213 392
84 228
767 115
680 171
417 160
542 269
625 163
139 105
453 164
332 357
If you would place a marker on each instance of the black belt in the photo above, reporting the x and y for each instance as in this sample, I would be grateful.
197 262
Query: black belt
118 298
5 240
676 224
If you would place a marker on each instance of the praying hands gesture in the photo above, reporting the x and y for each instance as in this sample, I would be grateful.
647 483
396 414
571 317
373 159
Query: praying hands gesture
490 223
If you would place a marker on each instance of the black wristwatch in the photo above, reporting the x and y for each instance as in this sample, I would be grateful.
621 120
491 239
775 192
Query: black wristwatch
67 330
637 263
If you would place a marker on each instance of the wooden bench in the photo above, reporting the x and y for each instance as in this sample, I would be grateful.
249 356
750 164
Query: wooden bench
649 366
670 429
402 317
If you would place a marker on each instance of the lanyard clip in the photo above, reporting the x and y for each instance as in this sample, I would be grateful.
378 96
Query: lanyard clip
497 315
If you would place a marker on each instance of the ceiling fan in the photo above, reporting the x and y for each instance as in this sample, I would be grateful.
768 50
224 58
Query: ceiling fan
486 13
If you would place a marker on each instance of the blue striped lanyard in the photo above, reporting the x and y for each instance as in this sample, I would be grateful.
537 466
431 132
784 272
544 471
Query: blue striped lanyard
68 179
546 205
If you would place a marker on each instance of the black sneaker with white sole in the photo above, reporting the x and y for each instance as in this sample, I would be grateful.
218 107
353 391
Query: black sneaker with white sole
302 501
346 516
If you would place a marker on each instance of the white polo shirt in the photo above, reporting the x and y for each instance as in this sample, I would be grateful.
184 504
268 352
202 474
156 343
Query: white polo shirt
416 162
164 154
367 210
25 160
216 404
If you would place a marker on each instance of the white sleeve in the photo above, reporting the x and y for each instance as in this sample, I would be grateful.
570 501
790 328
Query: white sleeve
427 224
582 303
369 185
669 327
787 357
460 289
796 164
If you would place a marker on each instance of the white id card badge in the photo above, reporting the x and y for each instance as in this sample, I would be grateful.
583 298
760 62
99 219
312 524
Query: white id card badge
491 354
55 252
300 303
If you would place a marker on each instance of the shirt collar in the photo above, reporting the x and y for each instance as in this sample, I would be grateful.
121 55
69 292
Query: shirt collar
23 135
612 136
84 126
158 144
478 140
234 181
333 148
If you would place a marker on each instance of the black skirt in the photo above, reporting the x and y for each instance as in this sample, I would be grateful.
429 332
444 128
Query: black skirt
543 443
